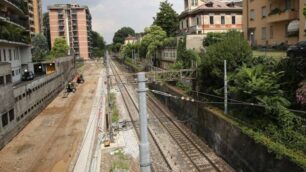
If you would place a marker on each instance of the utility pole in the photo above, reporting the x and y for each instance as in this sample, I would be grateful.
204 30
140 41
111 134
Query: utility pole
225 87
144 153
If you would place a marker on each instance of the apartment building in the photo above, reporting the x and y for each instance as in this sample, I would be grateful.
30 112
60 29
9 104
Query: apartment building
35 16
72 22
274 22
15 46
203 16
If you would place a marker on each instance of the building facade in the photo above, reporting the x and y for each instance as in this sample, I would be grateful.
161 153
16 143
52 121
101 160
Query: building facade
203 16
15 46
72 22
35 16
274 22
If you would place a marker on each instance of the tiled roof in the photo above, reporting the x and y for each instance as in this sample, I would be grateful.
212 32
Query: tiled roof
214 5
218 5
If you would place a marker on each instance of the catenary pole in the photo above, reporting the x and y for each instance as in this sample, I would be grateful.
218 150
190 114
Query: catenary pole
145 162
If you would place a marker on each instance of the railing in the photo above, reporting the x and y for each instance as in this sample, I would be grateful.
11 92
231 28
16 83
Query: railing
10 32
14 19
21 5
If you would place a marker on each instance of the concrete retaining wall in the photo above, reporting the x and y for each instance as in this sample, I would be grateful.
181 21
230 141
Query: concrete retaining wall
32 97
227 140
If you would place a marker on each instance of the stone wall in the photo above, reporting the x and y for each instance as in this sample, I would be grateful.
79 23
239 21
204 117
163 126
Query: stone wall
226 139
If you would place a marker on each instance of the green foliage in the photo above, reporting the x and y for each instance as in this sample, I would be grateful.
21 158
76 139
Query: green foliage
115 112
40 47
213 38
183 86
14 33
187 58
294 73
98 44
259 84
126 50
60 48
46 29
121 34
153 39
170 42
234 48
167 18
177 65
121 161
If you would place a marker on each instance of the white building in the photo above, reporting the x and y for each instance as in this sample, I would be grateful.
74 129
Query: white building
15 45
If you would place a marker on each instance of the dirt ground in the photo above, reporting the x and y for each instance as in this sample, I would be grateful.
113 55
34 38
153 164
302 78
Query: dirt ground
51 141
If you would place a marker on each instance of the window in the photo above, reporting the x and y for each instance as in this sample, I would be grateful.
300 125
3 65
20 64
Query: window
0 55
264 12
4 120
10 54
13 73
233 19
1 80
4 54
198 21
194 2
252 15
288 4
264 33
11 115
211 19
271 32
8 79
222 20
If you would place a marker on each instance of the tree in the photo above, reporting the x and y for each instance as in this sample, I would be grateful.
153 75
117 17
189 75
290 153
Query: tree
98 44
60 47
46 29
40 46
121 34
212 38
167 18
234 48
153 39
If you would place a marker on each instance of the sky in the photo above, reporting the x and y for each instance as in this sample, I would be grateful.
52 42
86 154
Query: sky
108 16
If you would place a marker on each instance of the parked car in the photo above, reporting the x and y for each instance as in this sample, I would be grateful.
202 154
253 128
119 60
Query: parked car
27 75
297 50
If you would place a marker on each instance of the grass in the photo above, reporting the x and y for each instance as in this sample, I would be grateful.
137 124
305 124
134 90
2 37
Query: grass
269 53
121 162
115 112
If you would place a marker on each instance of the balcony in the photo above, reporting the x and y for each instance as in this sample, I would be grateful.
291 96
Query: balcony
12 33
19 5
14 19
281 16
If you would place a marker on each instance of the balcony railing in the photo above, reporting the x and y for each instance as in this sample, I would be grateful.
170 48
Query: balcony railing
282 16
14 19
21 4
13 33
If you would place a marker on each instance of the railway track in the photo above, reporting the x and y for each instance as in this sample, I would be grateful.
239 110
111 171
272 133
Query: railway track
161 162
197 155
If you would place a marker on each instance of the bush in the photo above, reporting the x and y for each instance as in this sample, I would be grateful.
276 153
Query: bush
234 48
213 38
294 73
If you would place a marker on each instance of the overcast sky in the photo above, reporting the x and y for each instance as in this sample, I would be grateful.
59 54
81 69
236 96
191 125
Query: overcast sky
111 15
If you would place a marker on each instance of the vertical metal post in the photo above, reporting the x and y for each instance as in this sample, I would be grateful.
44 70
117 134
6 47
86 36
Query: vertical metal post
225 88
144 153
